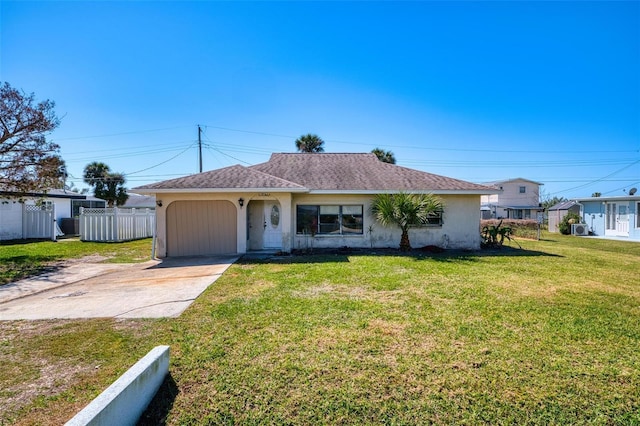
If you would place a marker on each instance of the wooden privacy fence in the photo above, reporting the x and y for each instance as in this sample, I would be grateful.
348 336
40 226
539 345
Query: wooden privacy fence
114 225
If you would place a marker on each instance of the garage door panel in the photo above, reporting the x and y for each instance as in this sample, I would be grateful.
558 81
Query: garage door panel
201 228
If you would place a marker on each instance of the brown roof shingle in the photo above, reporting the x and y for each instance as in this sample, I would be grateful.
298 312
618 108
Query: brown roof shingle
357 172
320 172
233 177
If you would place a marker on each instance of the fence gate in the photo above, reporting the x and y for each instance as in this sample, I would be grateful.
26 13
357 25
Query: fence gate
39 221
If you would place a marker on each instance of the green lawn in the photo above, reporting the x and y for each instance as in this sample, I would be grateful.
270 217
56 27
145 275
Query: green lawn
25 258
545 335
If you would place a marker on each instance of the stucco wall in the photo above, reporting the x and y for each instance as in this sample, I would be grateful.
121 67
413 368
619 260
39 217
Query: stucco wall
460 227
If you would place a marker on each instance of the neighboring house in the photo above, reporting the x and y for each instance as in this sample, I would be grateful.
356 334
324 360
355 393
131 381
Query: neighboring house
517 199
136 201
299 201
612 216
66 204
557 212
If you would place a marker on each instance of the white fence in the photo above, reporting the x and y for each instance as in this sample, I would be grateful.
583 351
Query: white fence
116 224
39 221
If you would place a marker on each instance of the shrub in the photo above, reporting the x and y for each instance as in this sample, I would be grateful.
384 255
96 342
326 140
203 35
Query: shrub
565 224
520 228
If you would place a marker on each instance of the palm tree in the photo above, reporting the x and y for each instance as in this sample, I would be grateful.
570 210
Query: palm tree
309 143
106 185
405 210
384 156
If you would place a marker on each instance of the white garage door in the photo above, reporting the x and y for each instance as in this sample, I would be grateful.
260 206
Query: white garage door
201 228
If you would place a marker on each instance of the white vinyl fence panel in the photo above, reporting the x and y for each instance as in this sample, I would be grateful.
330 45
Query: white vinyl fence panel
109 225
39 221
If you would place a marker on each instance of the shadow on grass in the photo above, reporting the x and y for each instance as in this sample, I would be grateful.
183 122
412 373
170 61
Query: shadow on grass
161 404
342 255
15 268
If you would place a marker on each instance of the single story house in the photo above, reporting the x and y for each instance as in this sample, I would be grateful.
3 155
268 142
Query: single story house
65 204
303 200
612 216
557 212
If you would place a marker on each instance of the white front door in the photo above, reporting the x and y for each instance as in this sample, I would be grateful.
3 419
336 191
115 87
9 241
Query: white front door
622 221
272 237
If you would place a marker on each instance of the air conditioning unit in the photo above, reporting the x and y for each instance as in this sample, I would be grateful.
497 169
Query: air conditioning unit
579 229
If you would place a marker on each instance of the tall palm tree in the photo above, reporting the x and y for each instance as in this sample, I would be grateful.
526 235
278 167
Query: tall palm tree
384 156
106 185
405 210
309 143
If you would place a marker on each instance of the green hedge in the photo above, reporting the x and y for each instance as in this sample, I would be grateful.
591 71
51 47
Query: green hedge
521 228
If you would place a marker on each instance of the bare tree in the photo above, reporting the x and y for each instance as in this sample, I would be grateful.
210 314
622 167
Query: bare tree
28 162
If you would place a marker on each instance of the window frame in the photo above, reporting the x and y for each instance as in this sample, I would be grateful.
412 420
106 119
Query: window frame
522 190
339 221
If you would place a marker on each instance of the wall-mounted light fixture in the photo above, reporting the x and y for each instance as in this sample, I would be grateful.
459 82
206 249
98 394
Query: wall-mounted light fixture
159 203
241 202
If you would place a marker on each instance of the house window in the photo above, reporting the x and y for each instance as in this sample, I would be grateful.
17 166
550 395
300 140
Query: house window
434 219
523 189
329 220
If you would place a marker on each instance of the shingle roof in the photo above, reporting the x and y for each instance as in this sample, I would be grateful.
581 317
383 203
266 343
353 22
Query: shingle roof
233 177
320 172
563 205
357 172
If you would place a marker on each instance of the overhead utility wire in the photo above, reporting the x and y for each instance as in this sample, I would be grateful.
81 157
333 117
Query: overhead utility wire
428 148
133 132
164 162
598 180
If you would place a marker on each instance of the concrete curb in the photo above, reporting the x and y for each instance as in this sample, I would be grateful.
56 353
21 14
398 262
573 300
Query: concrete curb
125 400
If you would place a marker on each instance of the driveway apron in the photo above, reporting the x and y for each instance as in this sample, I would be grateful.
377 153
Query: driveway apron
150 290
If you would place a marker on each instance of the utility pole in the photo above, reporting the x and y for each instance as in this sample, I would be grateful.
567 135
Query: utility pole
200 147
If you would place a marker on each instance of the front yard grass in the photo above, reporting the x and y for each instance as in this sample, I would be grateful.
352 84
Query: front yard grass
23 259
544 335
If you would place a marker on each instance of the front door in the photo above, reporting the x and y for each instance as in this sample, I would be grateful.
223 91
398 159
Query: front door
622 221
617 220
272 237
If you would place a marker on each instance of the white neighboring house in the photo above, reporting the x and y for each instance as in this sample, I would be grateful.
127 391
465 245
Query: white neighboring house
517 199
65 203
297 201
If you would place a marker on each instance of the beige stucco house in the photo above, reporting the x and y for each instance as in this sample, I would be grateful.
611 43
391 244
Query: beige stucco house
515 199
298 201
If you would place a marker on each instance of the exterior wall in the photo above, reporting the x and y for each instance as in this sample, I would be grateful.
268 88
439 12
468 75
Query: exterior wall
10 219
460 227
284 199
511 196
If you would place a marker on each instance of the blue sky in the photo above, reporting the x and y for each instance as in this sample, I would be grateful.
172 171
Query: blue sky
480 91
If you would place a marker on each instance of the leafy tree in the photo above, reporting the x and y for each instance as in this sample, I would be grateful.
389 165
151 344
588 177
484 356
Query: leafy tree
550 202
309 143
28 162
405 210
384 156
106 185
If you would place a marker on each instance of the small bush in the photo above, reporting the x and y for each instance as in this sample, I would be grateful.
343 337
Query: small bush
565 224
520 228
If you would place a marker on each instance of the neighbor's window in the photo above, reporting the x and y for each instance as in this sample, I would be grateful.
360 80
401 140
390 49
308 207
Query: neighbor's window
523 189
434 219
329 220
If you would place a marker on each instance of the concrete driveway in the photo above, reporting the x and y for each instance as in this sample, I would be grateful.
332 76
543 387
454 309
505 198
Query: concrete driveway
153 289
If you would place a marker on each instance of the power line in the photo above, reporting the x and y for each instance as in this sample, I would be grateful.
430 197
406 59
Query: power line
133 132
598 180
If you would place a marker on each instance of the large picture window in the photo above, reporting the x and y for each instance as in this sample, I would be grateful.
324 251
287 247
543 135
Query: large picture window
329 220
